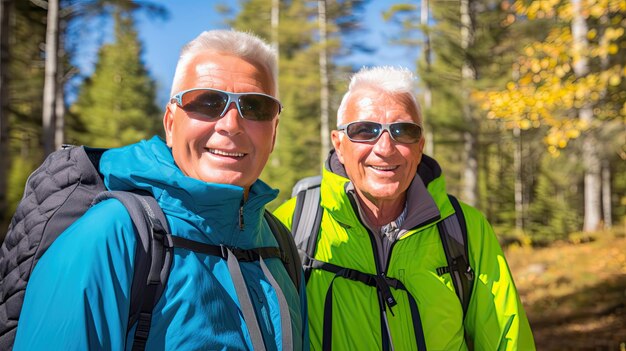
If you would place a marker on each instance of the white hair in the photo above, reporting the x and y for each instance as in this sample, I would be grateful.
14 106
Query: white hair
393 80
241 44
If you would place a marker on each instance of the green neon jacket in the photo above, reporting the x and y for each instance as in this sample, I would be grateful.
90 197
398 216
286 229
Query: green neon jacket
495 318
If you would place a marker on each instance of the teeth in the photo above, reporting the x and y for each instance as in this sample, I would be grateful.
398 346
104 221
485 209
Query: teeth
386 168
224 153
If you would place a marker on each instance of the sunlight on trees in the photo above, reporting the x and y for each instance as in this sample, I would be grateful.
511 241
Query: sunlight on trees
547 92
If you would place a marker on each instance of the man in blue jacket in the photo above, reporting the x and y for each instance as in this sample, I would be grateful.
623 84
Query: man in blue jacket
220 128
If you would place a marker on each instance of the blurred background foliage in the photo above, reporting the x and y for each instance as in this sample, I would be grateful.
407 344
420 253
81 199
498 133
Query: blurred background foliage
524 102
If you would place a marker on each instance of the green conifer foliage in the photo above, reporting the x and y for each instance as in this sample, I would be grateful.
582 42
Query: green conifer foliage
555 211
297 151
116 105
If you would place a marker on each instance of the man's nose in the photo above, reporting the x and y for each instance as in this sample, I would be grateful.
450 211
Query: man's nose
231 121
384 144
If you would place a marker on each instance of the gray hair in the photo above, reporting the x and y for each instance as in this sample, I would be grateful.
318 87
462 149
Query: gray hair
393 80
241 44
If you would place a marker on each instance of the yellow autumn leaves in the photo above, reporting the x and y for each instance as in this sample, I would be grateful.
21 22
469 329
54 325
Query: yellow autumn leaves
544 90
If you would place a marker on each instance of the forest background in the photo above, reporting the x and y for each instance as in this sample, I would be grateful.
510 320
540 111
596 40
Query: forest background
524 102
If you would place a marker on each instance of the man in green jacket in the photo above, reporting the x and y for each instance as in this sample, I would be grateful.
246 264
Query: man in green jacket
382 201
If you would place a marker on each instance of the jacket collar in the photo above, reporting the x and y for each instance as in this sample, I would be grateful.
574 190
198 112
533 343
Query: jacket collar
211 211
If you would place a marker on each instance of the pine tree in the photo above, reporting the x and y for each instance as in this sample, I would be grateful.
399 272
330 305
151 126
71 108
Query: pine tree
116 105
298 146
552 215
449 109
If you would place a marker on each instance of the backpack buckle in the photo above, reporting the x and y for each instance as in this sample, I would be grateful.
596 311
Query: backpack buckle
166 239
240 254
349 274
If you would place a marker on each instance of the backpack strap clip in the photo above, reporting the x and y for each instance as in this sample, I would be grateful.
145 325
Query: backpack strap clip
242 255
382 283
353 274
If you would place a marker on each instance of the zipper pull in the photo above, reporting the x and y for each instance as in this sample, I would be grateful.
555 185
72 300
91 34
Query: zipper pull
241 224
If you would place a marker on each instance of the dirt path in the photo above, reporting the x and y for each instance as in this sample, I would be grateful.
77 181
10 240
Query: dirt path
574 295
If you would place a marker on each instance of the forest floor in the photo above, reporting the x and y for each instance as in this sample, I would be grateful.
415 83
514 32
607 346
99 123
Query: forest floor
574 293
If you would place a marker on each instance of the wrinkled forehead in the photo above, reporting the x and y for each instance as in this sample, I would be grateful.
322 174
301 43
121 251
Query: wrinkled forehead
377 102
207 68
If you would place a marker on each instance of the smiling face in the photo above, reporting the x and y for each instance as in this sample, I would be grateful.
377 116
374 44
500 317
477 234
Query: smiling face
228 150
380 170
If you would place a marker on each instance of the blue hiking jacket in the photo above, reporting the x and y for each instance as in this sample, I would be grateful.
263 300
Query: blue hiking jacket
78 296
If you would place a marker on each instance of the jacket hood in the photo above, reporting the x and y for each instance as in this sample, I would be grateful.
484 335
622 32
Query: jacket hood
427 200
149 165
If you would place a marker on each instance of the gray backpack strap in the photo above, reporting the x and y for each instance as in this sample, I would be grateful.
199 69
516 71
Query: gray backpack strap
247 309
453 234
153 258
307 218
292 264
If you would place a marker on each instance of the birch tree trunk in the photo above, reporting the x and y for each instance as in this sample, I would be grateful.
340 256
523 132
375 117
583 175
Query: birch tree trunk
607 210
606 195
468 74
590 156
50 77
323 62
519 188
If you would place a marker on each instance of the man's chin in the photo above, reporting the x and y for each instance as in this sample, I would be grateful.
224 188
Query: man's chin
224 177
387 193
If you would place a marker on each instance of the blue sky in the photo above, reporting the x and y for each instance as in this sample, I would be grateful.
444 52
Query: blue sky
163 39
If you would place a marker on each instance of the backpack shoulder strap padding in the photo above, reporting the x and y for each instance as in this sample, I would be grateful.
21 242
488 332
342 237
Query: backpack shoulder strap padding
307 218
287 246
152 259
453 233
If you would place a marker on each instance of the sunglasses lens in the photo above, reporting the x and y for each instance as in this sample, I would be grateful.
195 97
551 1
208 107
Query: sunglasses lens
211 104
402 132
363 131
406 133
257 107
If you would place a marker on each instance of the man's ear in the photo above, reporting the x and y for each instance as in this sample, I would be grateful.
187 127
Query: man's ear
336 139
168 123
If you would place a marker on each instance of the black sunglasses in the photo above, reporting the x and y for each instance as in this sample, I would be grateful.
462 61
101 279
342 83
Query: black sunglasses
213 103
366 131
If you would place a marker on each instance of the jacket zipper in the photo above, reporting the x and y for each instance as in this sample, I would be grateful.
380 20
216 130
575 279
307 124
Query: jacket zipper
390 251
241 224
377 265
431 220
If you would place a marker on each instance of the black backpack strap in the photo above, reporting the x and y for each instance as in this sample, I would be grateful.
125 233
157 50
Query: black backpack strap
307 217
383 284
153 258
287 245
